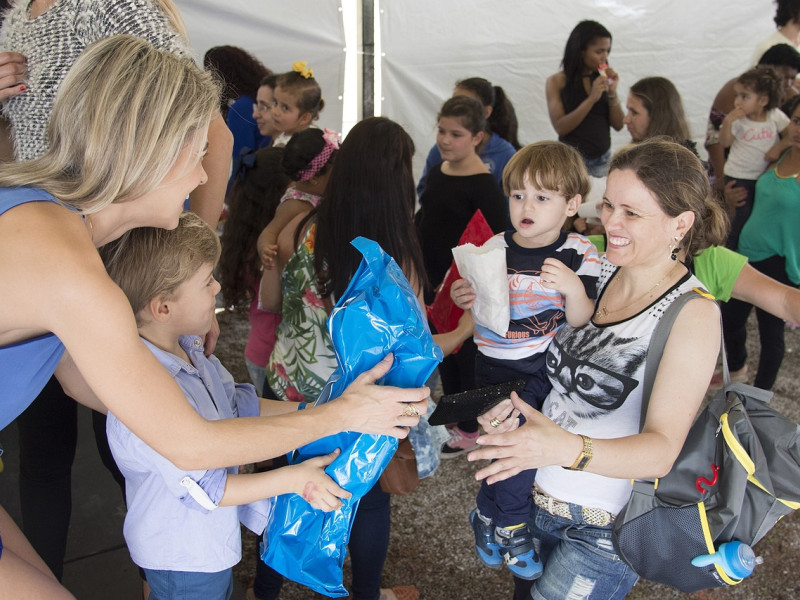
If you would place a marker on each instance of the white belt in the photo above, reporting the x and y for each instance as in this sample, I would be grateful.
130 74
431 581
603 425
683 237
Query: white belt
591 516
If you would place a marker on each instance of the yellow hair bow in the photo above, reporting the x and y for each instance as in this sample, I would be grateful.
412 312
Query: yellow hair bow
302 67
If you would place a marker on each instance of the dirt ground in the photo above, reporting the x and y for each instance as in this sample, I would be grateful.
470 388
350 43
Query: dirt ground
432 545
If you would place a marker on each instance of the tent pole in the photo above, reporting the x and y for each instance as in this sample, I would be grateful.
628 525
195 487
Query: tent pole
368 58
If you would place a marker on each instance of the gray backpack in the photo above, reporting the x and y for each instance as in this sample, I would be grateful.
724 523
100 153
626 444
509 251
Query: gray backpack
736 476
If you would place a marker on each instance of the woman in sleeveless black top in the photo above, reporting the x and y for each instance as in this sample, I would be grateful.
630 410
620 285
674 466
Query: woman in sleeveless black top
582 98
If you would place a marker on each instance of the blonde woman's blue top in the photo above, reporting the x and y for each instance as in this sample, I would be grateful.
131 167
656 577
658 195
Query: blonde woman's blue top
26 366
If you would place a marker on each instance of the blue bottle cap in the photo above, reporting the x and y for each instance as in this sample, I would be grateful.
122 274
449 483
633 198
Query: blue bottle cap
735 558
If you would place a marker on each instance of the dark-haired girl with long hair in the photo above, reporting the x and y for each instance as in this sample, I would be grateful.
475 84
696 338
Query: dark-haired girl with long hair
582 97
308 160
370 193
241 74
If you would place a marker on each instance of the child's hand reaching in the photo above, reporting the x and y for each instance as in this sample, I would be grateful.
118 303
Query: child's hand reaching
463 294
267 248
315 486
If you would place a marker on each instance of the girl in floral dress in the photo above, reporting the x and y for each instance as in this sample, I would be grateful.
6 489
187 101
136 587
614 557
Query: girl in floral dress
302 357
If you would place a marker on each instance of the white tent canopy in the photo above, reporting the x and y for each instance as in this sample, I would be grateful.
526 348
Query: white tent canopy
427 46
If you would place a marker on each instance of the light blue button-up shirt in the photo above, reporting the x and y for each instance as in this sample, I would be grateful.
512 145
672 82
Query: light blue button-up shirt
173 524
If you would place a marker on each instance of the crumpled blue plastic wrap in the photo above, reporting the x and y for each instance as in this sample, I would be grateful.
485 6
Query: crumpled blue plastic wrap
378 314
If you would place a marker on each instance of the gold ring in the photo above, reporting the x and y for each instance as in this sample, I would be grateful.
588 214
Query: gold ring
410 411
495 422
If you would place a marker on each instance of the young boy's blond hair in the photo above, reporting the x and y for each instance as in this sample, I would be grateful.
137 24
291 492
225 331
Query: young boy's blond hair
549 165
148 262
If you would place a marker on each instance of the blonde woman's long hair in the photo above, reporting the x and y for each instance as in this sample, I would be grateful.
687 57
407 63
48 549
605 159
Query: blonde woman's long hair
173 17
120 120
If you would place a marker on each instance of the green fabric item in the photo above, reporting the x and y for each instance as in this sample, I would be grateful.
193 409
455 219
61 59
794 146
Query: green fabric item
772 228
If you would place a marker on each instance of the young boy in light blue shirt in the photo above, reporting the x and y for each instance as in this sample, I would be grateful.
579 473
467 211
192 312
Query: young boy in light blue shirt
182 527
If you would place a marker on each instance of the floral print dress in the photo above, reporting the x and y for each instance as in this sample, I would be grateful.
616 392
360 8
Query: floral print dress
303 357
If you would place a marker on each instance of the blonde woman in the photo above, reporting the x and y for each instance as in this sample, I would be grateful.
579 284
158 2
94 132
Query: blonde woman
42 39
60 311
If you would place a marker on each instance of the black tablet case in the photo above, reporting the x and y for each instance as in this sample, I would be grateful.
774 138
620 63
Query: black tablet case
472 403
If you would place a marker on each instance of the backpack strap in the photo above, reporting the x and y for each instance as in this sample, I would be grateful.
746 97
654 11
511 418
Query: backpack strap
659 340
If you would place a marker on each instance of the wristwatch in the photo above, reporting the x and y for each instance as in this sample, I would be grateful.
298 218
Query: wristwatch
585 457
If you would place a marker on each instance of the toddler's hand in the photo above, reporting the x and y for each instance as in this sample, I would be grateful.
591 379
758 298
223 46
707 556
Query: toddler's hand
558 276
315 486
268 256
267 247
463 294
735 115
734 196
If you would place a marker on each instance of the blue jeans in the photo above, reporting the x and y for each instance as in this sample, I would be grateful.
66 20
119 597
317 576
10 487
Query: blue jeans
369 543
258 376
598 166
579 560
187 585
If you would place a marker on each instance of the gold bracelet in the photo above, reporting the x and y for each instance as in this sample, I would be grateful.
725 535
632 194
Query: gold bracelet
585 456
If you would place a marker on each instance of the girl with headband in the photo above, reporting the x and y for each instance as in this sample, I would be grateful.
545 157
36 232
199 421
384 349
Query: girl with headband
309 155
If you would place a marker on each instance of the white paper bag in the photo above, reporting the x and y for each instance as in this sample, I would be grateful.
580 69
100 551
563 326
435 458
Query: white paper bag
485 268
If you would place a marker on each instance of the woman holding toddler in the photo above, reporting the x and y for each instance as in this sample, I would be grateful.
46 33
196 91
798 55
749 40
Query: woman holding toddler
586 442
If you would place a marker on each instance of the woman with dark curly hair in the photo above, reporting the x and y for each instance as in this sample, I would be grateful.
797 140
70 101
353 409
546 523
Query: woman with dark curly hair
241 74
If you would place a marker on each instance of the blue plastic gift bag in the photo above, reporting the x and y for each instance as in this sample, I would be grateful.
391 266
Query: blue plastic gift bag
378 313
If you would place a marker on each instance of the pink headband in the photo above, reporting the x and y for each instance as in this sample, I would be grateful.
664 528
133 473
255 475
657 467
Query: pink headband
320 160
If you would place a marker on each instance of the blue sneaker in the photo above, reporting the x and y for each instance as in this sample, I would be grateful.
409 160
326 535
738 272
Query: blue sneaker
487 549
516 547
